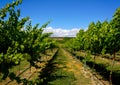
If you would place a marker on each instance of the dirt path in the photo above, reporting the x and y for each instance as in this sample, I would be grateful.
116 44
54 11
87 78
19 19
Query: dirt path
70 71
76 67
82 76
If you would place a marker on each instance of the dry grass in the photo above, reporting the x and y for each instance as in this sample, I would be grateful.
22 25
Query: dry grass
27 74
73 71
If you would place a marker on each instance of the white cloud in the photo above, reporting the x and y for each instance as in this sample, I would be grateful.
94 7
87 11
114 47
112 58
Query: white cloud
85 29
59 32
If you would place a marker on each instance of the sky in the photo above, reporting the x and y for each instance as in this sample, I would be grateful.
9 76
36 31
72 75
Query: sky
66 16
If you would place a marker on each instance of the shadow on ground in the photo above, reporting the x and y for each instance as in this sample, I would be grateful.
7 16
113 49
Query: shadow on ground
102 70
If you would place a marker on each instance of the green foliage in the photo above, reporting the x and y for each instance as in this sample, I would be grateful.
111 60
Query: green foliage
80 39
19 41
11 36
99 38
36 42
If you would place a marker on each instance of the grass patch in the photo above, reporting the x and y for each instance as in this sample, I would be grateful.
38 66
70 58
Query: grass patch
23 65
62 77
66 72
103 67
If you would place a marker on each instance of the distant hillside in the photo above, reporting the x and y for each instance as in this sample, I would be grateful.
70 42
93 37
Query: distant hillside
62 38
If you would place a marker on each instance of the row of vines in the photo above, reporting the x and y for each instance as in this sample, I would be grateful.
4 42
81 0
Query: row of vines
99 39
19 40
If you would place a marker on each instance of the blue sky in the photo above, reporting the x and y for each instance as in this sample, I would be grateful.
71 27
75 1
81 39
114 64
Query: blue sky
67 14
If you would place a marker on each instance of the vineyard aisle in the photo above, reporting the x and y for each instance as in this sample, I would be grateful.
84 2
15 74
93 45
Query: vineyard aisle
61 69
69 71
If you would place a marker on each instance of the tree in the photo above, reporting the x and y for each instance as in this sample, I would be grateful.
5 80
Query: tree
11 36
36 42
80 39
114 37
19 41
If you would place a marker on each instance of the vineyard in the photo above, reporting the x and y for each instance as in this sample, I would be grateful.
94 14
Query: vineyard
28 56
